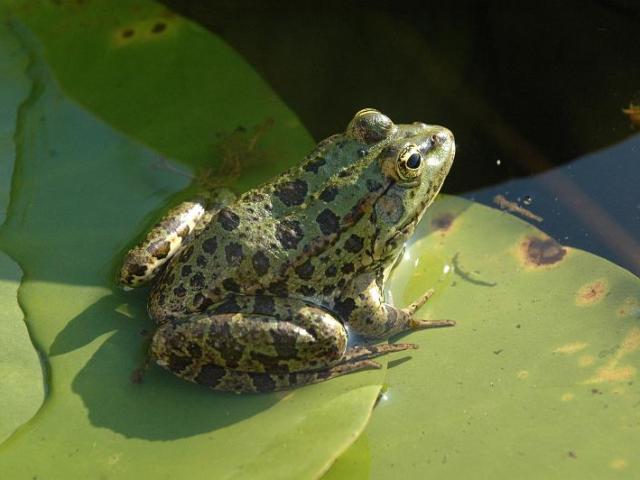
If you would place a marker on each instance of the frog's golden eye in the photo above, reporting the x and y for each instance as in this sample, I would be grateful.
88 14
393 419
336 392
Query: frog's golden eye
409 163
370 126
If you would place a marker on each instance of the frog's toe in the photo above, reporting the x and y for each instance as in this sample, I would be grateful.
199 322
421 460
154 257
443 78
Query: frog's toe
371 351
411 309
424 324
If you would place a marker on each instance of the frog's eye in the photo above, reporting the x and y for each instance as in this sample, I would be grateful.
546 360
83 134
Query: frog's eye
370 126
409 163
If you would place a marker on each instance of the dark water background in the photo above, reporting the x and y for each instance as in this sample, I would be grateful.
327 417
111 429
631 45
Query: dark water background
526 87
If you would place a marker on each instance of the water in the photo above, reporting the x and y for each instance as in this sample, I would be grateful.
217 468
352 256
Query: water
525 88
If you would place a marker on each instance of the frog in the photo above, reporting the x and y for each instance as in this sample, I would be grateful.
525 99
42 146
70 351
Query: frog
266 291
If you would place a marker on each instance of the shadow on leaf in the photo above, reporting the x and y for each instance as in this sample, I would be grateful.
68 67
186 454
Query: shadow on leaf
163 407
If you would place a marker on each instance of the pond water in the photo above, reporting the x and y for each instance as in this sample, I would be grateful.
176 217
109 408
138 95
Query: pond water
525 88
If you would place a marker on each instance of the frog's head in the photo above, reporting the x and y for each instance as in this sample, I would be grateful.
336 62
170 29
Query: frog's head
408 163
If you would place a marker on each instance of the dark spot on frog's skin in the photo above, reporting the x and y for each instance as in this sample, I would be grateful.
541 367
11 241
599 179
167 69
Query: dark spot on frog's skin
222 339
264 305
159 27
210 245
197 281
331 271
341 283
443 221
136 269
228 306
292 193
179 291
392 317
159 249
314 165
354 244
200 302
186 270
210 375
328 194
390 209
345 172
270 362
161 299
231 285
183 231
233 252
178 364
228 219
201 261
305 271
307 291
344 307
327 290
260 262
263 382
194 350
328 222
284 341
542 251
127 33
279 288
373 185
186 255
289 233
347 268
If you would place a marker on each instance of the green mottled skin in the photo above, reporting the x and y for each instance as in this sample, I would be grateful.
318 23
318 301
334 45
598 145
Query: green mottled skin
259 292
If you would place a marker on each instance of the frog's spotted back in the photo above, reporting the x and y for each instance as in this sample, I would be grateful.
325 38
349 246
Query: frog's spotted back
321 234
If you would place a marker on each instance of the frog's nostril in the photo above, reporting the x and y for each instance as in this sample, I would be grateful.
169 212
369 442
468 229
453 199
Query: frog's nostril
441 137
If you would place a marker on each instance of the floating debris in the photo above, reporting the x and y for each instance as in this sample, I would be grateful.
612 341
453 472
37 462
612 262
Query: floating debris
513 207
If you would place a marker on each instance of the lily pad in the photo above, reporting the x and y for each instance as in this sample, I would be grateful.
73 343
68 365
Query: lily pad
539 379
82 191
21 376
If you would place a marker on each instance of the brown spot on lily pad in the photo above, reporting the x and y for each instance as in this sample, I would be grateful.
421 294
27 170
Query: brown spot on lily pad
443 221
630 306
592 293
159 27
541 252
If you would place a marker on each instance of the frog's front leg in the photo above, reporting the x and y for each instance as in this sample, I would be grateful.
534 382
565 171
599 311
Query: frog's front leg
144 261
369 316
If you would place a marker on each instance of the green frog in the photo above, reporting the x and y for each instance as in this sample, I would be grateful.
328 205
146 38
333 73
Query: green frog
261 293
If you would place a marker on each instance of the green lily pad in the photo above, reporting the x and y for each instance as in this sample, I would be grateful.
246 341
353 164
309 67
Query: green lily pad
82 191
21 376
539 379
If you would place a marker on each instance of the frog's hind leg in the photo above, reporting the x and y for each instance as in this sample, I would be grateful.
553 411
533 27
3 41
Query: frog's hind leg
145 261
227 380
254 335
